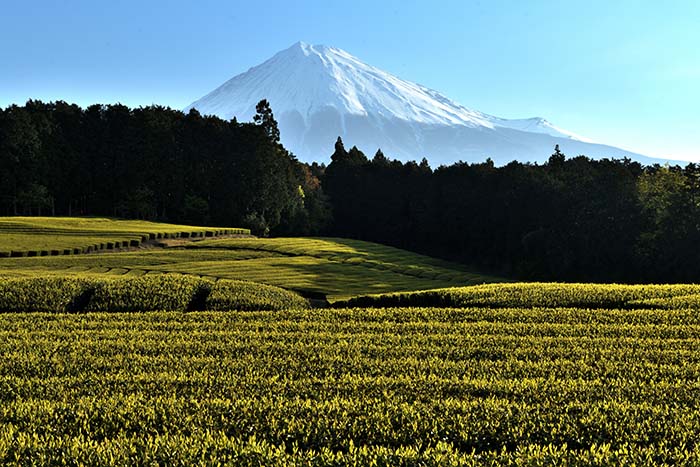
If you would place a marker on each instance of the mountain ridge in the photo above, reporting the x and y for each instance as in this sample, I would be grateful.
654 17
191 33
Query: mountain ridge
319 92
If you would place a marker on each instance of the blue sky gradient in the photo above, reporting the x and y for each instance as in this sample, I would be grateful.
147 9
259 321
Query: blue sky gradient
625 73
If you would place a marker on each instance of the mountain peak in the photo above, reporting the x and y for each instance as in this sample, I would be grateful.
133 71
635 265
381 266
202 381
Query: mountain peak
306 78
307 49
297 47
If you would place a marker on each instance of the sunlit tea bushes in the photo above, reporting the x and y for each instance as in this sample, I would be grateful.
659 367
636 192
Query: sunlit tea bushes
415 386
241 295
107 361
147 293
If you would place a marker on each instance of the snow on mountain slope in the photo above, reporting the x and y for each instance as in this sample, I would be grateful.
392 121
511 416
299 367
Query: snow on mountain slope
536 125
307 78
318 93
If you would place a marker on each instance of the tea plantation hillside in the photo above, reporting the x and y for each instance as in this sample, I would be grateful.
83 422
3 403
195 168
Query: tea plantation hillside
317 267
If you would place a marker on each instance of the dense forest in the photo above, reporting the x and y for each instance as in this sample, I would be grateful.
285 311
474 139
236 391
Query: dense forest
568 219
571 218
154 163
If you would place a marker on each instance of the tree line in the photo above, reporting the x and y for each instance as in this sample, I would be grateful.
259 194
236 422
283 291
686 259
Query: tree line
568 219
571 218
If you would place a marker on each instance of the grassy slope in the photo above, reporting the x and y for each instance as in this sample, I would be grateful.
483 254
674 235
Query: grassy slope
338 268
341 268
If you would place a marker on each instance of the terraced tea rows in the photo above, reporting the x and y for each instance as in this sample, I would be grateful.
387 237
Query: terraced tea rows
53 236
418 386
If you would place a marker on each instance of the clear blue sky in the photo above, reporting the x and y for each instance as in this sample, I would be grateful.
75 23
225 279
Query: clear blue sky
622 72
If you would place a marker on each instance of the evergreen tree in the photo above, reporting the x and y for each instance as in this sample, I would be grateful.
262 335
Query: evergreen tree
557 158
380 159
265 118
356 157
340 155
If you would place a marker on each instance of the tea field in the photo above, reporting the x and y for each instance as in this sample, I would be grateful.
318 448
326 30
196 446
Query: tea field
360 386
202 353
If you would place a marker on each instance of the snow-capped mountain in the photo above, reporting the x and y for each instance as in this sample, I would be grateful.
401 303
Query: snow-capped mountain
318 93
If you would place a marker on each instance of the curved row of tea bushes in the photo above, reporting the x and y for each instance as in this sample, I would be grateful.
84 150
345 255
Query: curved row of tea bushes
135 294
541 295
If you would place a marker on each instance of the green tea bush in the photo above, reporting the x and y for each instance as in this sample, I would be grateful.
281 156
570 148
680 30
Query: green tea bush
248 296
46 294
